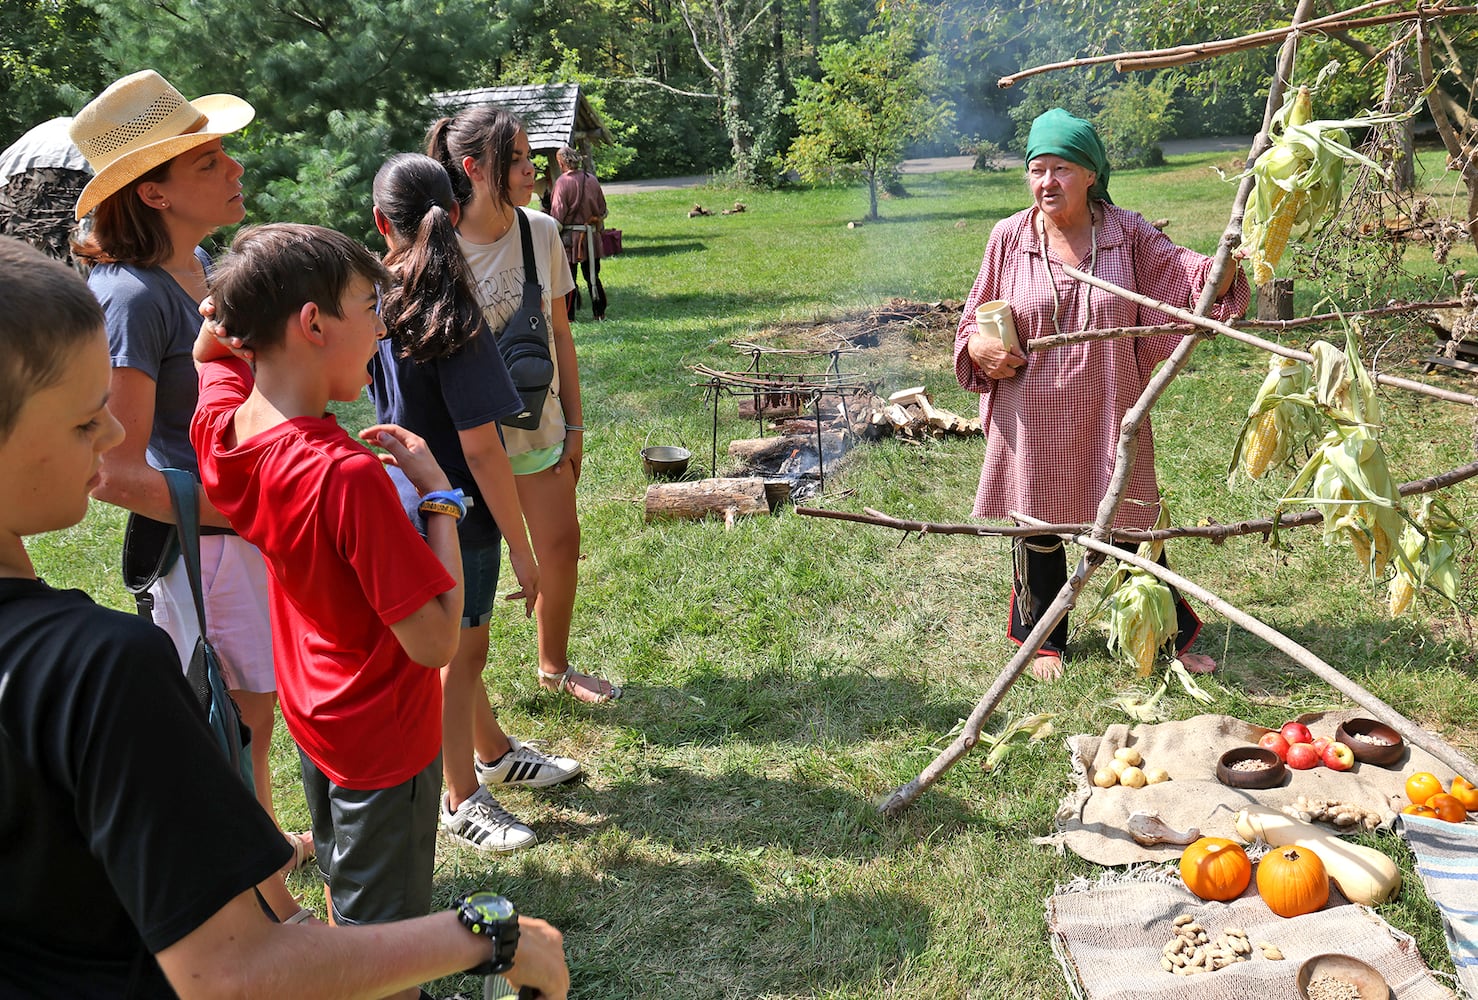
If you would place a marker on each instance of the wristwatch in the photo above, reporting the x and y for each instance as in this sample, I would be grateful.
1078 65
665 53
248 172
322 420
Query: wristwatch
486 914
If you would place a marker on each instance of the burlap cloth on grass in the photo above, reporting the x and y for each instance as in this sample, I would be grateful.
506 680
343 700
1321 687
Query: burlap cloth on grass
1108 936
1090 820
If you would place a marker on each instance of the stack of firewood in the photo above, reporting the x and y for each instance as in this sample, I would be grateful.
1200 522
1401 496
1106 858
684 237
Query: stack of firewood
911 415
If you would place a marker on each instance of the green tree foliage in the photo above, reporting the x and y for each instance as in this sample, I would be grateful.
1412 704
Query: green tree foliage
47 67
338 86
875 96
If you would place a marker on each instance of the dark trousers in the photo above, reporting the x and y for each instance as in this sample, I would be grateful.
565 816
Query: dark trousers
1038 572
592 282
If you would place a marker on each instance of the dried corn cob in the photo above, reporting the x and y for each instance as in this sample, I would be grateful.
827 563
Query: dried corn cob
1297 179
1141 619
1429 557
1280 418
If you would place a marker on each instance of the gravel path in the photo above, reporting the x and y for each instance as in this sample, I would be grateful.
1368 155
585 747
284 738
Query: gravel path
938 164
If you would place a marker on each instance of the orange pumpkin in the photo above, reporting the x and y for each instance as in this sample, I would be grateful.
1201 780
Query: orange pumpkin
1292 881
1215 868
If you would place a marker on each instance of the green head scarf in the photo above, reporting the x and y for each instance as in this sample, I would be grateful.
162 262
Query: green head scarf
1057 133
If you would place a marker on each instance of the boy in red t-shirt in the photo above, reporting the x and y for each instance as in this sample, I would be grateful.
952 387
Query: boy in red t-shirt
364 611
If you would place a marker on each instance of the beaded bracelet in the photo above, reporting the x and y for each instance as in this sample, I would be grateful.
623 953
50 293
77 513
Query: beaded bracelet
449 502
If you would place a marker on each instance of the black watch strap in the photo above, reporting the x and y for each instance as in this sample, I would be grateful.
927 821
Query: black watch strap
486 914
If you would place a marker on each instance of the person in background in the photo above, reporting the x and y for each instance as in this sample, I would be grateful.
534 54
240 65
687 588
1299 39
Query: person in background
128 847
486 154
579 204
438 373
162 184
1052 418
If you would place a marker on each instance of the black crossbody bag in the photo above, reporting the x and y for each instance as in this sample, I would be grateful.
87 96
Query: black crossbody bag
524 342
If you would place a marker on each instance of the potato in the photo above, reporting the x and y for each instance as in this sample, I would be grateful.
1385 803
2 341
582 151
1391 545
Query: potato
1128 755
1118 767
1133 777
1155 775
1105 778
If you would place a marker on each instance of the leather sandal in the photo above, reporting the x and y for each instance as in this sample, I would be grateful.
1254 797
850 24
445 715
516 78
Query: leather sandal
303 850
564 677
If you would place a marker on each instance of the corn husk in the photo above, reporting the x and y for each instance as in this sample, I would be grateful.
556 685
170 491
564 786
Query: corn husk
1016 733
1431 549
1297 180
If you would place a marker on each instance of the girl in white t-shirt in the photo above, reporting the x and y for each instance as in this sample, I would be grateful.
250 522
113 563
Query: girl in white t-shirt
486 152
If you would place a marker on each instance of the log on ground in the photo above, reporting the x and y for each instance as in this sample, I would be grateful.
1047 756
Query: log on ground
725 498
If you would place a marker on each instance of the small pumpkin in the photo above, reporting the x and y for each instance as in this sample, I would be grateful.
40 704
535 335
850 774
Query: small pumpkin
1215 868
1292 881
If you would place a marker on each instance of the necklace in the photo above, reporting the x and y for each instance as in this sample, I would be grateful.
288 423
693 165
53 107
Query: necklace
1052 282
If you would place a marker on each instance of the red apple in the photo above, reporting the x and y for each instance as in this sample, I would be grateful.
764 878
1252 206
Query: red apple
1275 742
1302 756
1322 743
1296 732
1338 757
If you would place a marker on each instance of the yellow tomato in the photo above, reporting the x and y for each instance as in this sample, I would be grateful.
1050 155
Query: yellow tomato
1422 786
1422 811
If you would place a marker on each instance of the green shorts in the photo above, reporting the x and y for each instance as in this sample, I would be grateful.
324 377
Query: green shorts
537 460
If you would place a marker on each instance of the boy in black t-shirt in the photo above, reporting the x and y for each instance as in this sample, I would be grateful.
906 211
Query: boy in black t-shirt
128 849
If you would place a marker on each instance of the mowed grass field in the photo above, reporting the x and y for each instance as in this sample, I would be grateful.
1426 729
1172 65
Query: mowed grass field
784 676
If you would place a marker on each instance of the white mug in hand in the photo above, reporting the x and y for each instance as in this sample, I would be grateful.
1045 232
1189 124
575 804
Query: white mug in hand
995 318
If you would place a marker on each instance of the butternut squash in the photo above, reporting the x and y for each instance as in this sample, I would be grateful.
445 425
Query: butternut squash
1363 874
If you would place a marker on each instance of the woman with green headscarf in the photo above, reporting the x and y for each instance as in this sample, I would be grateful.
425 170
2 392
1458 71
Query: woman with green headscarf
1052 418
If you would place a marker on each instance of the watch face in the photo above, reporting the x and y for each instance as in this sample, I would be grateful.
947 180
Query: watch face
489 905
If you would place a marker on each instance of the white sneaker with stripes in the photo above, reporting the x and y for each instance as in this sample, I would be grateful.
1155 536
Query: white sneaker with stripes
526 765
482 823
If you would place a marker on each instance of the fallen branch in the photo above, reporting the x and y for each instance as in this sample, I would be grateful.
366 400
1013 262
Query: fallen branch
1195 319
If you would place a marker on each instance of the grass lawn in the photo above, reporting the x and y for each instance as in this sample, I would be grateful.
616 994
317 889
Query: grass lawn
784 676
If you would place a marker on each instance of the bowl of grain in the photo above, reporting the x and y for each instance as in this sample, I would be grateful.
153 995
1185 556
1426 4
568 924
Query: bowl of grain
1340 977
1250 767
1371 742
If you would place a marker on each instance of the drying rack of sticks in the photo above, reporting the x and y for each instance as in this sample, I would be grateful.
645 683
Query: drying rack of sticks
772 391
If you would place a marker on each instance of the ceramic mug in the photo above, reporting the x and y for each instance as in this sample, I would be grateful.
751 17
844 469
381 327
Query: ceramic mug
995 318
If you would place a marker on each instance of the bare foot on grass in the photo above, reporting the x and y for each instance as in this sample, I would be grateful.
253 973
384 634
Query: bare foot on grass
1198 663
1047 668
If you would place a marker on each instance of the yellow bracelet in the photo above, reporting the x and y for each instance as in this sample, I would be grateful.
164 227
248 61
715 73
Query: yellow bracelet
441 507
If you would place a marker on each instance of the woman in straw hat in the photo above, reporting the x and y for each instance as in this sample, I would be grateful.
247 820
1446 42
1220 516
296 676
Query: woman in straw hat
162 183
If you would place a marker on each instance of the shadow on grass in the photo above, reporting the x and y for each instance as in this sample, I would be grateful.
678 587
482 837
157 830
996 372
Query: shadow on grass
784 707
677 924
659 246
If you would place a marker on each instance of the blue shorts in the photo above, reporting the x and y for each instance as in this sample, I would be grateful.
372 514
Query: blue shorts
479 583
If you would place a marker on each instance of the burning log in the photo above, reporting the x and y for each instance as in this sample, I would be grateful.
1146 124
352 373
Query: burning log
726 498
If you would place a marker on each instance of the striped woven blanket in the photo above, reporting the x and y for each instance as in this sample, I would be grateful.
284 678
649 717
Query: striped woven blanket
1447 861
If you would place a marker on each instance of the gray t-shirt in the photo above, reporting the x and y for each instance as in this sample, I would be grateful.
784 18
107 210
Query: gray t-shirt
152 323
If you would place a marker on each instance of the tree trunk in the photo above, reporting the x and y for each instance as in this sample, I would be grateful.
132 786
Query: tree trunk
1400 85
726 498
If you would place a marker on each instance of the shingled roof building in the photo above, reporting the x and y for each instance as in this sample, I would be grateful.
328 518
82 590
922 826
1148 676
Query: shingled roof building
554 114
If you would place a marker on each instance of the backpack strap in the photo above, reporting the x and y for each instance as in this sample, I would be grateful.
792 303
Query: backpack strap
183 494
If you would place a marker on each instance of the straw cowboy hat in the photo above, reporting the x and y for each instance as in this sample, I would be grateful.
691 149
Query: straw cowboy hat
140 122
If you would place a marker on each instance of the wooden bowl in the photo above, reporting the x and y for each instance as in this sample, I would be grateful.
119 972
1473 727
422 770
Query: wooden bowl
1380 754
1265 777
665 461
1371 984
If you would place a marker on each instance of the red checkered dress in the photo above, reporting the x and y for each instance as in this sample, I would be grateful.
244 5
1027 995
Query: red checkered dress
1052 428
